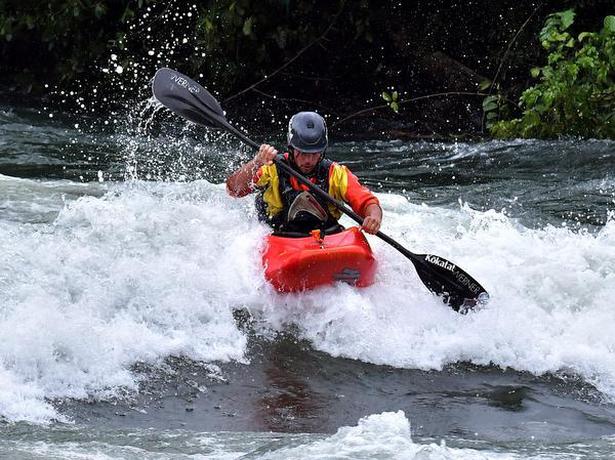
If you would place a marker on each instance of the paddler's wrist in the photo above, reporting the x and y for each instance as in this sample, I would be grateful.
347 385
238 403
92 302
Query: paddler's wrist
374 210
254 164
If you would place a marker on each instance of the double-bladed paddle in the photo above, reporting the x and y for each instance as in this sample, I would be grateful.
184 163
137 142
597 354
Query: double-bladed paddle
190 100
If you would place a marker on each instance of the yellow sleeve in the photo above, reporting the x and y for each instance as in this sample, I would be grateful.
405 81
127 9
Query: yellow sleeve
262 178
344 185
266 178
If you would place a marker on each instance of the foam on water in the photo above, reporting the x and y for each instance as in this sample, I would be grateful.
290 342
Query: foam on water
385 435
549 310
377 436
149 270
30 201
137 275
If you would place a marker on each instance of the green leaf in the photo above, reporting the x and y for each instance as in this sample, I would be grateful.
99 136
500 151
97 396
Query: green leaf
386 96
99 10
247 26
535 72
554 57
584 35
394 95
483 85
567 18
395 107
490 103
570 43
490 106
609 24
561 37
209 26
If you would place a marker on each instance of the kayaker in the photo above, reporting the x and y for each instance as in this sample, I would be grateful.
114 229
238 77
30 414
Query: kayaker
287 205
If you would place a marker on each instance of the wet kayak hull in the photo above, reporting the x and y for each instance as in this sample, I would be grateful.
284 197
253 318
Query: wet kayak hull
298 264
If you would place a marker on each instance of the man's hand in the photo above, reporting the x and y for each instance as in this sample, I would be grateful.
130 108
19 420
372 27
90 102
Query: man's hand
372 219
265 156
239 183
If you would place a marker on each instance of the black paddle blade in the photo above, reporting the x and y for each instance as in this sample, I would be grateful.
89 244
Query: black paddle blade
187 98
444 278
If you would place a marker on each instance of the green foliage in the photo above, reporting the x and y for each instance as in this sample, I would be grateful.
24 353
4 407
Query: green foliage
485 84
576 92
63 37
233 43
245 39
392 100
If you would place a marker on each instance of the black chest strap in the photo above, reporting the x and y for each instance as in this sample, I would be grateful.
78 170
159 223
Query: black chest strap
289 193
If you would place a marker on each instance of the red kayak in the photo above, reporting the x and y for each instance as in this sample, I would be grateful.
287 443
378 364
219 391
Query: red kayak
297 264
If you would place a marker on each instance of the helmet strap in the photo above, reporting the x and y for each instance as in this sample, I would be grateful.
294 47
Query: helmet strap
291 155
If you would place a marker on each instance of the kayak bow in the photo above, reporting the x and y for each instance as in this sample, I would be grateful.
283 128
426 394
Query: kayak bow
298 264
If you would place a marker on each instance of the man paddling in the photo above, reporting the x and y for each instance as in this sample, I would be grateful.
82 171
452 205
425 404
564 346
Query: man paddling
287 205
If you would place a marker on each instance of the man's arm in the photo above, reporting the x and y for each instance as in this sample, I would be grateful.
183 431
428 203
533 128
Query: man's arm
360 198
240 183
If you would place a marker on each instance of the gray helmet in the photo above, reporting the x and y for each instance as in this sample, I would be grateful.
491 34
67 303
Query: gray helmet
307 132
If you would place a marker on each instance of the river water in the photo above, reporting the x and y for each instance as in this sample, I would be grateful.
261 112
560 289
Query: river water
135 321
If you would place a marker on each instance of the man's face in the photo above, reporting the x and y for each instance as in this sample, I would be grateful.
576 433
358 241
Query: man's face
306 162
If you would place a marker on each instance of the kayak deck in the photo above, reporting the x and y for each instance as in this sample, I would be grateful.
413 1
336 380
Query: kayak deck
297 264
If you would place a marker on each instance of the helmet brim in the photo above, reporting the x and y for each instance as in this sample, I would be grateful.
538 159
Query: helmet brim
308 150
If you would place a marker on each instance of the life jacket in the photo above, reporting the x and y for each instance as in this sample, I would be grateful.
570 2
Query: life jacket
289 193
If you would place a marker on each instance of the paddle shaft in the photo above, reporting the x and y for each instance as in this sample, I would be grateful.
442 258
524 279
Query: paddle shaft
221 121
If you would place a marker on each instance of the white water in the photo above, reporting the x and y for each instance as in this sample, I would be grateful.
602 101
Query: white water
378 436
385 436
148 270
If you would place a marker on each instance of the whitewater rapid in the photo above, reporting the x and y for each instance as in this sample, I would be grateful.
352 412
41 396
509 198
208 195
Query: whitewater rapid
95 278
385 435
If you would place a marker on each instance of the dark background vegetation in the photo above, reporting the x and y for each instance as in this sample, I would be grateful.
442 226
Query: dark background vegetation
269 58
